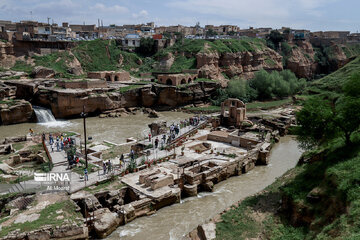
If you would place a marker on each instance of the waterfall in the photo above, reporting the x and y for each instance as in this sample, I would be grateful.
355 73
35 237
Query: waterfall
44 115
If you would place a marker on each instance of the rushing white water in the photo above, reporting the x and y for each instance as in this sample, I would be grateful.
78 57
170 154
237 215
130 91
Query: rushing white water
47 119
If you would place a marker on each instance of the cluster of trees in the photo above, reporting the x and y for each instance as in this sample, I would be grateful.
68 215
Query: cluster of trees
263 86
274 39
322 119
147 47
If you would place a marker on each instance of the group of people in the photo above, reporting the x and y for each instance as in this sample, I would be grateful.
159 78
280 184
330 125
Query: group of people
107 166
60 143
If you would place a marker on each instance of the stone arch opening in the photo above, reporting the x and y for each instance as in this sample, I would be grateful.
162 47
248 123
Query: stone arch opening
195 78
168 81
189 80
116 78
183 81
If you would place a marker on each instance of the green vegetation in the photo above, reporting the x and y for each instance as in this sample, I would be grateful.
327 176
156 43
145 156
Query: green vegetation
182 63
323 119
22 66
130 87
98 55
321 196
268 105
115 151
57 61
48 216
10 102
332 83
274 39
18 146
264 86
207 109
109 184
80 168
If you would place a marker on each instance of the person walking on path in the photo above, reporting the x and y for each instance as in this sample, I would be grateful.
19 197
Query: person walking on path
57 145
86 177
132 155
51 139
104 167
149 137
156 142
109 166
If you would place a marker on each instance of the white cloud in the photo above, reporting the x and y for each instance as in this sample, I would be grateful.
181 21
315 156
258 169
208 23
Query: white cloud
99 7
141 14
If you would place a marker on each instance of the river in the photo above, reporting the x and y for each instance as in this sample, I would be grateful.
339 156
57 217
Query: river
175 221
111 129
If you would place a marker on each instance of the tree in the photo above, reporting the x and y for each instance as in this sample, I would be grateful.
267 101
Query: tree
211 33
274 39
315 123
321 120
147 47
348 108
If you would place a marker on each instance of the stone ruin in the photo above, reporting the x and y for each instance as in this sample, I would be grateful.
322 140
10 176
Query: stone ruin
156 179
111 76
233 112
176 79
157 128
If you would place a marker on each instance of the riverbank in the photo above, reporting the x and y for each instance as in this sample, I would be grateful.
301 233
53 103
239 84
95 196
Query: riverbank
315 200
175 221
195 162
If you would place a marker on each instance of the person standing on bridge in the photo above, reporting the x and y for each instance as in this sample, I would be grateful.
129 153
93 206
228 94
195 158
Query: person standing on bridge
86 177
57 144
156 142
104 167
51 139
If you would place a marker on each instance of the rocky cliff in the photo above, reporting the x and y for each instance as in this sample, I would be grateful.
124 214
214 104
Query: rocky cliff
239 64
305 62
69 103
15 111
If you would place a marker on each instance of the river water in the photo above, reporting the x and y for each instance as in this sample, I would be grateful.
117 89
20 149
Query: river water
111 129
175 221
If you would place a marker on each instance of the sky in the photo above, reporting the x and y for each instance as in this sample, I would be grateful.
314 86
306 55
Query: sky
316 15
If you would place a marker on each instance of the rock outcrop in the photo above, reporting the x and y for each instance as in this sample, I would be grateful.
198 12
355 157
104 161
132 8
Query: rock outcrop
73 65
18 111
165 62
69 103
7 56
242 64
42 72
301 60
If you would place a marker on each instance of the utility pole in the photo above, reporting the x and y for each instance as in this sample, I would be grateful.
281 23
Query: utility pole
84 115
48 20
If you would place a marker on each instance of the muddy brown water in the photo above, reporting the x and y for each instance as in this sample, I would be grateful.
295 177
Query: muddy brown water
111 129
175 221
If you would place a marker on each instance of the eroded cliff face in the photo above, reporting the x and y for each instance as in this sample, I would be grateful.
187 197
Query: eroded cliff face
240 64
19 111
302 60
7 56
69 103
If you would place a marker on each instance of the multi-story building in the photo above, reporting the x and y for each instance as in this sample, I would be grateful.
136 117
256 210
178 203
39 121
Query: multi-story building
85 31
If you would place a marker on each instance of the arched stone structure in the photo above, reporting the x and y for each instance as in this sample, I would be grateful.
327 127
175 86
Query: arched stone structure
169 82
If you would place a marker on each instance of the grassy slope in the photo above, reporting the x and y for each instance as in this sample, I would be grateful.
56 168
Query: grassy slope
337 177
334 81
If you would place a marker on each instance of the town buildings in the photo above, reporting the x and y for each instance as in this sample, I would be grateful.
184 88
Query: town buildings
130 34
